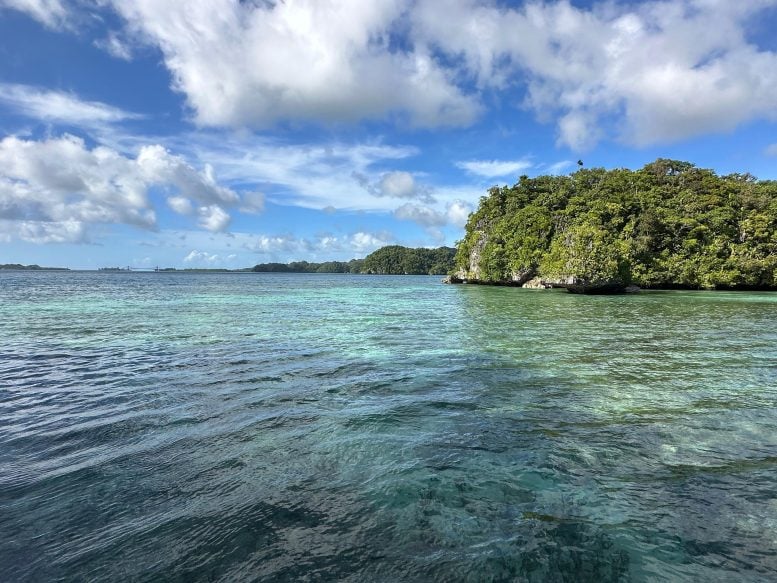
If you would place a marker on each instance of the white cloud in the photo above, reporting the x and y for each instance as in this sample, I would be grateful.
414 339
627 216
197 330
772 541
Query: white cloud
54 189
201 257
398 185
257 63
456 213
420 214
160 166
578 130
311 175
395 185
46 105
180 204
273 244
60 180
640 72
325 176
50 13
363 243
115 46
324 247
252 203
771 150
645 73
494 168
559 167
41 232
214 218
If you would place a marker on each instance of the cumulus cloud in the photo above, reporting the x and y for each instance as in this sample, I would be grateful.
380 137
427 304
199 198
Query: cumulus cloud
395 185
494 168
42 232
641 72
362 242
273 244
58 106
771 150
420 214
323 247
645 72
53 189
214 218
197 258
160 166
201 257
180 204
456 214
257 63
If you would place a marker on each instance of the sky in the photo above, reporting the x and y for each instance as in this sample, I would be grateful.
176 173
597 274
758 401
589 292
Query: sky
225 133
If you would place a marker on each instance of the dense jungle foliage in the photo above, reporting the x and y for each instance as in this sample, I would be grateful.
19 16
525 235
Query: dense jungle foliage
390 260
352 266
398 260
669 224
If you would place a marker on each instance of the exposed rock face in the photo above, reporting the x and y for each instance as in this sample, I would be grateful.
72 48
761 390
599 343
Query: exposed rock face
473 269
565 281
473 273
535 283
569 282
527 278
521 277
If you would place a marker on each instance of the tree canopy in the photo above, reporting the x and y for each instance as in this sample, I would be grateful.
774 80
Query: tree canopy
398 260
352 266
390 260
669 224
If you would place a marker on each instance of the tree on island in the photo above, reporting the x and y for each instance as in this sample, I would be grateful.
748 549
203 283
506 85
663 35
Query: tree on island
390 260
669 224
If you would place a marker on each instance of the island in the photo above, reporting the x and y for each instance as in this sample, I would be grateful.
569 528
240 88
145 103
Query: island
20 267
388 260
668 225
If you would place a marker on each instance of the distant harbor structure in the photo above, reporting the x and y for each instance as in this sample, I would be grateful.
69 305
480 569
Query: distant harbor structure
129 268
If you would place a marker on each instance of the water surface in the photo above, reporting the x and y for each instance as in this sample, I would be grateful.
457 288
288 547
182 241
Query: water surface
248 427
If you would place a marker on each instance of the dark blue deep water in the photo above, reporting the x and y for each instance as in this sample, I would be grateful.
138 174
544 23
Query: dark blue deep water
264 427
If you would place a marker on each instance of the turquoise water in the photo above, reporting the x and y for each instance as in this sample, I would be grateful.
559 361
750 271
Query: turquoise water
242 427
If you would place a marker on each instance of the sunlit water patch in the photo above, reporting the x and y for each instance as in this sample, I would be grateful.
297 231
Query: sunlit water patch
245 427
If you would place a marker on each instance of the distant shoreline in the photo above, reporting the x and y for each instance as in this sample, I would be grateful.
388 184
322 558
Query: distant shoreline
20 267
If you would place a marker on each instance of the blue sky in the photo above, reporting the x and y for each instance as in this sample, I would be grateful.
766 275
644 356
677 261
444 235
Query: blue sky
217 133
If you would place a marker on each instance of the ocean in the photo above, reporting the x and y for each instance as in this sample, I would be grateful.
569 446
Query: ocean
306 427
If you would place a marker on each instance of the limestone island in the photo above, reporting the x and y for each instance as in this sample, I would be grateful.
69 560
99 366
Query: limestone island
669 225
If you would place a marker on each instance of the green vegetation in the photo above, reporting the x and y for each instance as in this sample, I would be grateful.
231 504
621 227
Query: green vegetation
19 266
398 260
391 260
352 266
669 224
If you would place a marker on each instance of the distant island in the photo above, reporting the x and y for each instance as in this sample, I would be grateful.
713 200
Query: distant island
667 225
389 260
20 267
170 269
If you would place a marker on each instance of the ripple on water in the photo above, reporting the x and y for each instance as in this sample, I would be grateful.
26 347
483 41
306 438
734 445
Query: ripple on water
276 427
